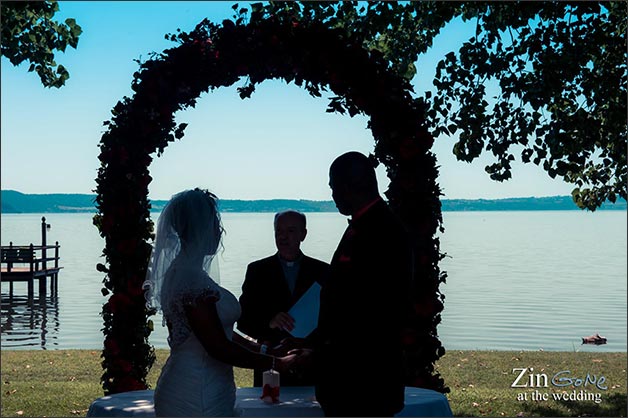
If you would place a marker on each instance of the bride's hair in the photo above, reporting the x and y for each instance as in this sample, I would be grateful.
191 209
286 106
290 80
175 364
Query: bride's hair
189 229
193 216
196 220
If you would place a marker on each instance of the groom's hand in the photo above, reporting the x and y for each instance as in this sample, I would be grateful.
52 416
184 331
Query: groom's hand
302 357
288 344
285 364
282 321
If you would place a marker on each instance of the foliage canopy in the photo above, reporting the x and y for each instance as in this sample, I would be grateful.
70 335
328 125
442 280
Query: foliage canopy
541 81
30 34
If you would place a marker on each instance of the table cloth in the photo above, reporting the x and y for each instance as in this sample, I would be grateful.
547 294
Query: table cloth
295 402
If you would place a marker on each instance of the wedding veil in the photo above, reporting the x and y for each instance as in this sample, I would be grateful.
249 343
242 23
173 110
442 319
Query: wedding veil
189 234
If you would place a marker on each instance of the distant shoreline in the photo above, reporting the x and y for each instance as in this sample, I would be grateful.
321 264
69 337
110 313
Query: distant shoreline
17 202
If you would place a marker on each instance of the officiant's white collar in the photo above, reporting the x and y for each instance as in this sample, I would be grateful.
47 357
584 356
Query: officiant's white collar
292 263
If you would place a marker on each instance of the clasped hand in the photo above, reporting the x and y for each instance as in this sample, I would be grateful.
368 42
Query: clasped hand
293 354
295 360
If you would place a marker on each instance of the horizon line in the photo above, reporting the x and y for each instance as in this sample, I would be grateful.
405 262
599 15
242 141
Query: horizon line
296 199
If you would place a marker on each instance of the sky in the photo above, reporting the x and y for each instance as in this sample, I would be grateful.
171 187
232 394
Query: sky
276 145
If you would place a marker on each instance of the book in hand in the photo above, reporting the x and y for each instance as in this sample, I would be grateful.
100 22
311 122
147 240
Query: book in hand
305 312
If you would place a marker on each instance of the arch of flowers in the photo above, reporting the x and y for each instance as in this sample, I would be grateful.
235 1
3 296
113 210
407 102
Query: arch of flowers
314 57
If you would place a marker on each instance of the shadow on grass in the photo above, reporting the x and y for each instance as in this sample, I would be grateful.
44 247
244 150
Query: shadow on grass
612 406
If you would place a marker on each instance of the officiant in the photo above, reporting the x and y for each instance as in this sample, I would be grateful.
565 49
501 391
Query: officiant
273 285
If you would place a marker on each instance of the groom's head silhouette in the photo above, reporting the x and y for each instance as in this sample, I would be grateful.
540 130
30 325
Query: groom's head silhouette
353 182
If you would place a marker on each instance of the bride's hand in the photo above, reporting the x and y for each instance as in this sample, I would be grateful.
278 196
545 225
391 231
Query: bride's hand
296 359
286 345
285 364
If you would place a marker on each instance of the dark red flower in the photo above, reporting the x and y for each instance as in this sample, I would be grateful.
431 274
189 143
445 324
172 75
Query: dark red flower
424 308
111 346
408 337
419 382
119 301
408 149
135 289
122 154
407 183
145 180
127 247
106 224
123 365
128 383
424 227
147 128
165 110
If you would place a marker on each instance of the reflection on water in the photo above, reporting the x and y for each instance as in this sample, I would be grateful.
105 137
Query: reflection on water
29 323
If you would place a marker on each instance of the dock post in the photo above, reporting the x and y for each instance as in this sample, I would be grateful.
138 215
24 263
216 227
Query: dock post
54 280
43 241
30 288
8 270
42 286
31 279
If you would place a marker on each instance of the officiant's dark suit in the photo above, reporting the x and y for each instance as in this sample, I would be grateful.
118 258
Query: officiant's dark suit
365 301
274 284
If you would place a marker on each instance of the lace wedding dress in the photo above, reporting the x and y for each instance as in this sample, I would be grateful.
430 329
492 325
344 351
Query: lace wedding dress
192 383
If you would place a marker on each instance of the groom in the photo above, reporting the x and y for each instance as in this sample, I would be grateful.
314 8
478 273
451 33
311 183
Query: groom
357 350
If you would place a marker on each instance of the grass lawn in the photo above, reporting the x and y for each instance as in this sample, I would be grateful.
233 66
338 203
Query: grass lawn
480 383
65 382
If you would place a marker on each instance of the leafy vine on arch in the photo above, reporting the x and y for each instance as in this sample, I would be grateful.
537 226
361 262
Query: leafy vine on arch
314 57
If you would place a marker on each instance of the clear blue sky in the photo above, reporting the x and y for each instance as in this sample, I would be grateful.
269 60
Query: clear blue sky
278 144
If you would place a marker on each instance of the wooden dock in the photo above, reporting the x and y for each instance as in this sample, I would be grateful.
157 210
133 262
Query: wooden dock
27 263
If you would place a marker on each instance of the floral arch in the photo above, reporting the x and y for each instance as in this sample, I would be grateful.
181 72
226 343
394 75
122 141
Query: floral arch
314 57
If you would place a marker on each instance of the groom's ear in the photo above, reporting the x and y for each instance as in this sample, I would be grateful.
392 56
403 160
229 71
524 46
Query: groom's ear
304 234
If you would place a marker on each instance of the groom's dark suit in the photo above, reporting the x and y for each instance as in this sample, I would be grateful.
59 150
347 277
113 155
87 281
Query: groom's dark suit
364 302
265 293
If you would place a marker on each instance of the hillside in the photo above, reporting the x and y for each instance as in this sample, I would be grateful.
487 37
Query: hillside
15 202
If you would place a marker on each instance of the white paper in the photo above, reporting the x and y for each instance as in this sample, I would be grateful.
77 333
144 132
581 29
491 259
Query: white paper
305 312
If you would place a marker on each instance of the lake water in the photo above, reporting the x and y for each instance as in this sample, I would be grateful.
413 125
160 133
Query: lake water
517 280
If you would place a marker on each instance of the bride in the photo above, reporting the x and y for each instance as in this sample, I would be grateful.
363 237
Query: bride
197 379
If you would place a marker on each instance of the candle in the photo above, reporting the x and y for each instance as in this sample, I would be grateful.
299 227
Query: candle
270 383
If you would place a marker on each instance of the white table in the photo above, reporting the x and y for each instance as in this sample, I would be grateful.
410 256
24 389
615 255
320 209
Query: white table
138 403
295 402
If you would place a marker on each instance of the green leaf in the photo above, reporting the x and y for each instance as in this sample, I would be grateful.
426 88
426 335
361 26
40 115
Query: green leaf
178 133
102 268
612 197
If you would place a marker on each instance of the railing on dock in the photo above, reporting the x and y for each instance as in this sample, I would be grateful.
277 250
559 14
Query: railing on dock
25 263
